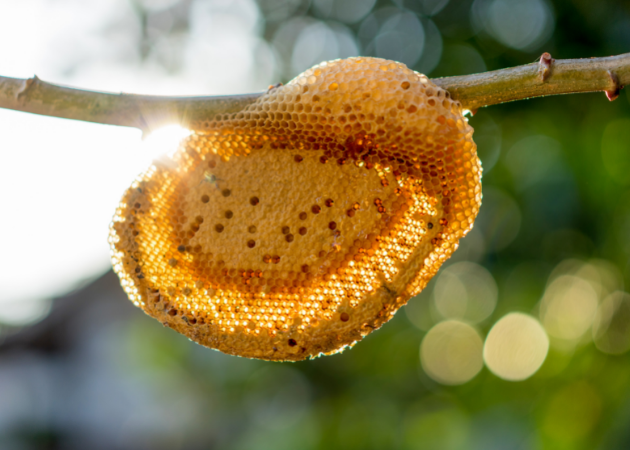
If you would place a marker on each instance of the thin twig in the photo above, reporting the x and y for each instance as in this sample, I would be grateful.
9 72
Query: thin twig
545 77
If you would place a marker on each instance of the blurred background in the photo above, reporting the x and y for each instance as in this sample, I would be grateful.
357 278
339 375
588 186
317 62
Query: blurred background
520 342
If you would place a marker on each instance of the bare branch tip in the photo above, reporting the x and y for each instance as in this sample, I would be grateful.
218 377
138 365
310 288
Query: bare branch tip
613 94
544 66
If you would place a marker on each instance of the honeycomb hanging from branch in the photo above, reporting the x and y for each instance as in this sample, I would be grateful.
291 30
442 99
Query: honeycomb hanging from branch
302 223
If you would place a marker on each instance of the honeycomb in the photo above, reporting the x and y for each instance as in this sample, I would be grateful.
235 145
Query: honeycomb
300 224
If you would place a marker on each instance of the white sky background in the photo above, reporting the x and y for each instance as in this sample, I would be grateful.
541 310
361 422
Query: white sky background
60 180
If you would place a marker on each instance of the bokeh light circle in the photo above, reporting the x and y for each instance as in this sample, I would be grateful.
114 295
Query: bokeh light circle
611 328
423 7
515 23
516 347
465 291
568 307
318 42
451 352
394 34
349 11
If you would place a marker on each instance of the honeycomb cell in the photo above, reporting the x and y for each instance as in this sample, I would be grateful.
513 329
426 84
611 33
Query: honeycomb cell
330 202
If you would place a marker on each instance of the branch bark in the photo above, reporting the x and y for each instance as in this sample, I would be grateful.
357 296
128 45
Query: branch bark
545 77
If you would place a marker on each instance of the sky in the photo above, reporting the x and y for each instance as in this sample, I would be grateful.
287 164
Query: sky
61 180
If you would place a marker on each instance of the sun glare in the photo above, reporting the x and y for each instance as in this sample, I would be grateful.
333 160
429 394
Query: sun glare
163 141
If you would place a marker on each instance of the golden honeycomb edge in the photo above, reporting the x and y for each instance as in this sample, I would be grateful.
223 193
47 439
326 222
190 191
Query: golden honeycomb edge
299 225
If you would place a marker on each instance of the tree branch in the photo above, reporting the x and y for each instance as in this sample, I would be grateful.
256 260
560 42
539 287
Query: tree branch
146 112
545 77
